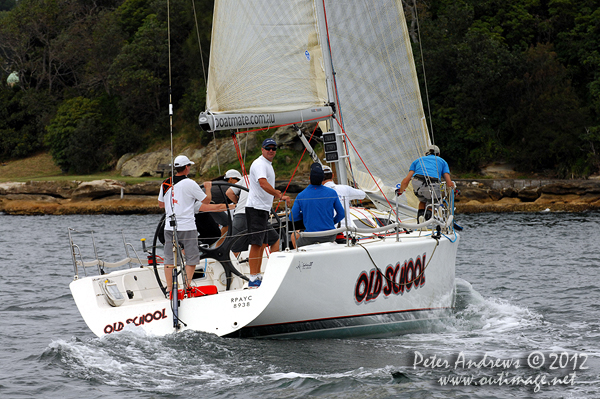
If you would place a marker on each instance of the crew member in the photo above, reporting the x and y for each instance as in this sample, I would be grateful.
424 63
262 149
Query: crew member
260 200
239 224
427 172
219 196
319 207
345 193
178 197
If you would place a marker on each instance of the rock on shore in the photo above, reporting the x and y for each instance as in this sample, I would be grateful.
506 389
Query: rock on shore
115 197
520 195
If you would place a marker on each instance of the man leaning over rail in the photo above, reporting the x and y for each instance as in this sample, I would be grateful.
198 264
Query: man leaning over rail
428 172
319 207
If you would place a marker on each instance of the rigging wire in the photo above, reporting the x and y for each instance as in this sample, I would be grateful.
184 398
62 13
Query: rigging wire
199 43
424 74
171 199
338 102
204 76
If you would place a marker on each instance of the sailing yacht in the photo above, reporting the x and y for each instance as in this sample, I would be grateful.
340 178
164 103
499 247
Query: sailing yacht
348 66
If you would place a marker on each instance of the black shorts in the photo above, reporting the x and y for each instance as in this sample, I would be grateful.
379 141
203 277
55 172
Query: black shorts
241 237
257 225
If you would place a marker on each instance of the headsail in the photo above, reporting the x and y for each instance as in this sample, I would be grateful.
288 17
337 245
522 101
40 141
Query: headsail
265 57
378 89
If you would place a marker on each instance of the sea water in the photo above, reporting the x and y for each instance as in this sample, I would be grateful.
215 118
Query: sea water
527 324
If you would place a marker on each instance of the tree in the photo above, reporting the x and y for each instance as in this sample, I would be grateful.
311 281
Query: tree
139 73
468 65
546 119
76 137
6 5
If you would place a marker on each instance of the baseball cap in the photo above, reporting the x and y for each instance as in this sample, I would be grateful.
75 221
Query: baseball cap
233 174
182 160
269 141
326 169
434 149
316 174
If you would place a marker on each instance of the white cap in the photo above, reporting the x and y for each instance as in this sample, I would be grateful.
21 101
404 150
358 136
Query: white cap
326 169
433 149
232 173
182 160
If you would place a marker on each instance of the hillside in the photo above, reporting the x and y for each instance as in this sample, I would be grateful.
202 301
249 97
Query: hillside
514 81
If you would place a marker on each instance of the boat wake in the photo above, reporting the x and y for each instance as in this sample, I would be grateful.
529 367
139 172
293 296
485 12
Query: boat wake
474 312
180 364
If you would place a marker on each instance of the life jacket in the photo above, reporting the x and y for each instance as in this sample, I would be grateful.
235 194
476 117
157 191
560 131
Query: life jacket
167 184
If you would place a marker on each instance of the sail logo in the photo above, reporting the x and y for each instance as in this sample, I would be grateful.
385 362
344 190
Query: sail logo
244 120
397 279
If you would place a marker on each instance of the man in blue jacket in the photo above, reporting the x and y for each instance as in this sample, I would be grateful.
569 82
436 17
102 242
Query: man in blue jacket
318 207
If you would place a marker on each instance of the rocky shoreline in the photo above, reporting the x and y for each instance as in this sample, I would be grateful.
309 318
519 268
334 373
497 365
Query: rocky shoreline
114 197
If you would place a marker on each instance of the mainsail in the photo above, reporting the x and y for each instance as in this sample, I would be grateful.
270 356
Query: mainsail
267 57
378 90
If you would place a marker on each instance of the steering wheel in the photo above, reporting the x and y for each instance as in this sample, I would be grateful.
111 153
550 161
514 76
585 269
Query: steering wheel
219 253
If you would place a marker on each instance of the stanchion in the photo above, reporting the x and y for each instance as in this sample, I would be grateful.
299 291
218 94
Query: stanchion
287 228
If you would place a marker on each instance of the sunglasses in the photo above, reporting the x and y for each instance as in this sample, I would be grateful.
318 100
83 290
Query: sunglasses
270 148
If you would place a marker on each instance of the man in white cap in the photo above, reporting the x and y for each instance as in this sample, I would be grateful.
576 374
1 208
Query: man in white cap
239 223
178 197
427 171
344 192
219 197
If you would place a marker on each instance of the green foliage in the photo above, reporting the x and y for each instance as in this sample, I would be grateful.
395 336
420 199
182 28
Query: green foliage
21 128
131 15
139 73
6 5
547 119
76 137
498 90
513 80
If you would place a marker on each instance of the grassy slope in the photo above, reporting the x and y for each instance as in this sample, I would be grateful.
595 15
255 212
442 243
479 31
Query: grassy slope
41 168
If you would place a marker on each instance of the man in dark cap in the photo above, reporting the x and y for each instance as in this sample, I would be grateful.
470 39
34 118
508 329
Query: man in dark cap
318 207
261 193
427 171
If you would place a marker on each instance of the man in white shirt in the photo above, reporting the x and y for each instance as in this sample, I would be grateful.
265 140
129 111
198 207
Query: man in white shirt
345 193
178 197
260 200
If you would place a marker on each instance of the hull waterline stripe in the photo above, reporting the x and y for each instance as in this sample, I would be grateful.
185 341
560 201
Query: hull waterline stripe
314 325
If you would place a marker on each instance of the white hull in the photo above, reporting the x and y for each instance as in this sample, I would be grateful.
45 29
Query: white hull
323 290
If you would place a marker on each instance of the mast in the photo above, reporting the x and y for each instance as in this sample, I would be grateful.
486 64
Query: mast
342 175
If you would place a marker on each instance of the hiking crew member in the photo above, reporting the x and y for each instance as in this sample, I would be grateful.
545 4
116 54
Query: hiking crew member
427 172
